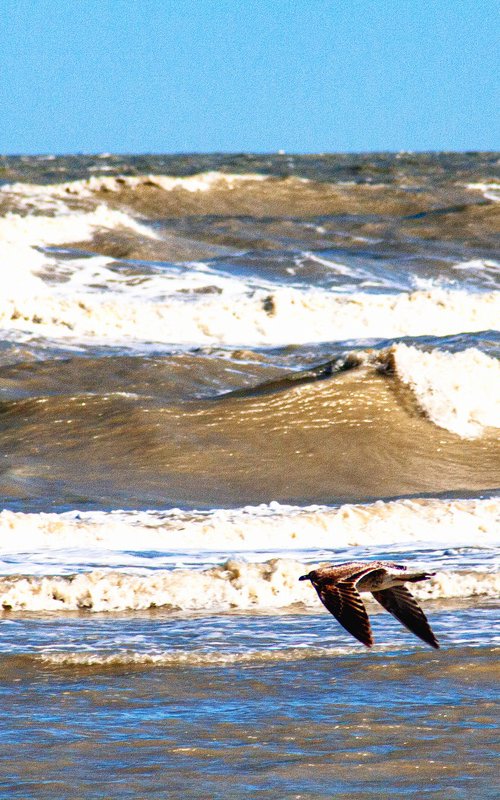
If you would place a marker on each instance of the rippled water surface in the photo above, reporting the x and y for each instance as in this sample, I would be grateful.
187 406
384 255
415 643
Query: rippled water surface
215 373
401 724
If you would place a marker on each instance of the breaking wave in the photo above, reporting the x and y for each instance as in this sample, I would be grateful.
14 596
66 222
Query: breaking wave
256 528
233 585
457 391
253 317
93 298
88 187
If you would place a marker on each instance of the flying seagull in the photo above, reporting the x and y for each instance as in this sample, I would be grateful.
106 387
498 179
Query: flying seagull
339 590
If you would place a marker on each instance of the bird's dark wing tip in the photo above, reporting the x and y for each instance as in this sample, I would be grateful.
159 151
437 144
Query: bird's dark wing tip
399 602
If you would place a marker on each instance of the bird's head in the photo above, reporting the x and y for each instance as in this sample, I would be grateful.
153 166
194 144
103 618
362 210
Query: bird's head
311 576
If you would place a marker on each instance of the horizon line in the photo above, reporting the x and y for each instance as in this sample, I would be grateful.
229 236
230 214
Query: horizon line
280 152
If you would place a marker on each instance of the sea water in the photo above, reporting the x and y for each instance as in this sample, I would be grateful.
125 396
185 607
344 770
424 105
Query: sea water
217 372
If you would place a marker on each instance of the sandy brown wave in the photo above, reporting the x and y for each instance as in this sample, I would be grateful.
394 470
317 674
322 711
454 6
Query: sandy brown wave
356 436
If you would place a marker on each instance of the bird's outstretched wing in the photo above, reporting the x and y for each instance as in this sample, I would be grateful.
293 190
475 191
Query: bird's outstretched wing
343 600
399 602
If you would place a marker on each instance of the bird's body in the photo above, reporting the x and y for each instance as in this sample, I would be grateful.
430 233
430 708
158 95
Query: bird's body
339 588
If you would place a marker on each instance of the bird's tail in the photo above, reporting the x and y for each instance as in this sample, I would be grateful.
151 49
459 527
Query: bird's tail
415 577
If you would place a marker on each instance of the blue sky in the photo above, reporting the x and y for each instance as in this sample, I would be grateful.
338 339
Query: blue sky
136 76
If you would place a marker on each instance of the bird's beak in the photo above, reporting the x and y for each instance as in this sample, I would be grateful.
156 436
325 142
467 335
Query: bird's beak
304 578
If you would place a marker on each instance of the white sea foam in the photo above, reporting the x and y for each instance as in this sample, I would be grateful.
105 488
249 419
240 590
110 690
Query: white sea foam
72 226
478 265
21 264
233 585
457 391
154 309
490 189
482 270
256 528
232 318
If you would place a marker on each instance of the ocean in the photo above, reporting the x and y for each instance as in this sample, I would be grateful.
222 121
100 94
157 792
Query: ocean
216 373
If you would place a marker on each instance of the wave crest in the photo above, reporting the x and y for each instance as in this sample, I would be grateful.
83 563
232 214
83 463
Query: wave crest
457 391
256 527
86 187
233 585
222 318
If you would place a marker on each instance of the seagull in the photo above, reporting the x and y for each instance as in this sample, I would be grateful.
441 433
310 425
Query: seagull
339 588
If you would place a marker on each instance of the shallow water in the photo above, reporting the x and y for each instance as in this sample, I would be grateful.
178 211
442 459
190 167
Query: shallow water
401 724
215 373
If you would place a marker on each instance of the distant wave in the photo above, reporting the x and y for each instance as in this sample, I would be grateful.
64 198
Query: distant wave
22 263
89 298
200 182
